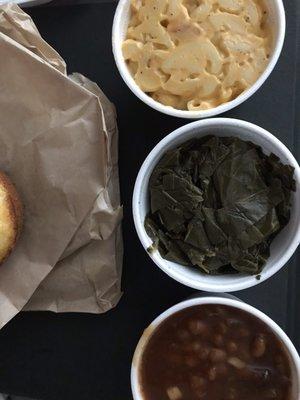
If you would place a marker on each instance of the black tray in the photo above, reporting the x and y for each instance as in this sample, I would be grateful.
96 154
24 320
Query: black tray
80 356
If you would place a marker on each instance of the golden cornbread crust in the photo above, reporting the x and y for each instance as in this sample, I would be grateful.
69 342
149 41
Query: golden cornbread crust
11 216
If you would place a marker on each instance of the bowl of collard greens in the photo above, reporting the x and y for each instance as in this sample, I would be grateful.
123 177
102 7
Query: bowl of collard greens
216 205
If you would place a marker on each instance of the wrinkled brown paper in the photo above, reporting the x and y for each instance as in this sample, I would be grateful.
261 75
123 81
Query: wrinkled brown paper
58 143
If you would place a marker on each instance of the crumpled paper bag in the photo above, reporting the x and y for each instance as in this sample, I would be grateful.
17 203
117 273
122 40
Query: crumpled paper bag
19 26
58 143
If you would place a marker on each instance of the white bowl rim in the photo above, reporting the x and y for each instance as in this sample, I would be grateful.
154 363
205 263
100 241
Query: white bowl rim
128 79
139 226
236 303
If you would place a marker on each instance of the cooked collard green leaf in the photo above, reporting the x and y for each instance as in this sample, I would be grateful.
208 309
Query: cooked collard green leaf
217 203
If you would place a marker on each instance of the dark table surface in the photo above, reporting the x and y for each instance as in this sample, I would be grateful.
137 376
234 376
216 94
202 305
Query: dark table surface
81 356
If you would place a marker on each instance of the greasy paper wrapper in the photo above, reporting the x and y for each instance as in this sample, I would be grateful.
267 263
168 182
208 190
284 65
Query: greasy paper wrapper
58 144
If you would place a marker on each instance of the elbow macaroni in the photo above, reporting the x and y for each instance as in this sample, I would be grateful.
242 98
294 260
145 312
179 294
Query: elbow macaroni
196 54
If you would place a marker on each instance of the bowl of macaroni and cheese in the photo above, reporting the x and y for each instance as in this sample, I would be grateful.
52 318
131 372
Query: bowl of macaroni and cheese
197 58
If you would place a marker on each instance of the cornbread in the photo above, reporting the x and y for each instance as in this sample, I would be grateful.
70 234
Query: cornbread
11 216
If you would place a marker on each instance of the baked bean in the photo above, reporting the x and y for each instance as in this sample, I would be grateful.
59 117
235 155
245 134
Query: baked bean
232 394
197 327
259 346
243 333
280 364
204 353
218 340
192 347
236 362
244 354
214 313
187 347
222 328
197 382
231 347
200 395
217 370
212 373
197 346
221 310
183 335
198 385
174 393
233 322
217 355
221 369
191 361
279 359
271 394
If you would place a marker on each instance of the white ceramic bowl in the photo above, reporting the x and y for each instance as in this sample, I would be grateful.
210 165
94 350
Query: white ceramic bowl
122 16
28 3
288 345
283 246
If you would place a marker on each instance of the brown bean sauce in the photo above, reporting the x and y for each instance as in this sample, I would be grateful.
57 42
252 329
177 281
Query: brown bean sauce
214 352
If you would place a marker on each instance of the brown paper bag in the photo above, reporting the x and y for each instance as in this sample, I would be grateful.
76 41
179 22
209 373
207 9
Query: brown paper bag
58 141
19 26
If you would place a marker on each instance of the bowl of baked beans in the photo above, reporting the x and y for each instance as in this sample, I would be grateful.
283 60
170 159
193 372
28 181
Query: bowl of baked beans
215 348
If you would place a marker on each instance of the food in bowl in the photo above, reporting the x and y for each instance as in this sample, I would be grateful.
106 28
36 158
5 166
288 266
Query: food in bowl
197 54
214 352
216 203
11 216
